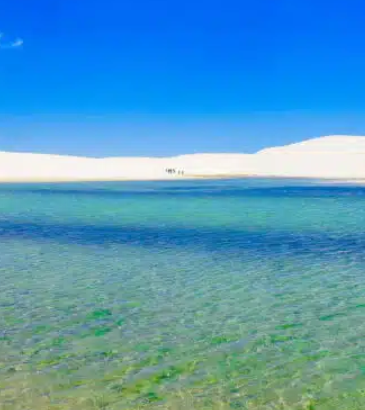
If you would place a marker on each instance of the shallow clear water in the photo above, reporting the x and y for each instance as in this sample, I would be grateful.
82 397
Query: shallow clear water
245 294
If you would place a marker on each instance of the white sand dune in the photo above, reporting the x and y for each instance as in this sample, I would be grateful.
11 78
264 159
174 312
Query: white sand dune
333 157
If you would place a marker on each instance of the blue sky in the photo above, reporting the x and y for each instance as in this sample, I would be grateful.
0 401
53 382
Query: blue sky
159 77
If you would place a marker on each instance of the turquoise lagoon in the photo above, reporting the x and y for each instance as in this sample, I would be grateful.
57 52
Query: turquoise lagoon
242 294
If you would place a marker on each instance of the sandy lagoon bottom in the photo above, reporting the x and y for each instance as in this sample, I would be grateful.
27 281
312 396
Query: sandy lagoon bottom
191 295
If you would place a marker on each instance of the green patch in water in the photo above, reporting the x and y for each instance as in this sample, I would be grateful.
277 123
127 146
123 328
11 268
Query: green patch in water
101 331
359 306
100 314
312 357
12 321
145 385
59 341
109 353
280 338
52 361
237 404
164 350
42 329
133 304
170 373
331 317
289 326
152 397
142 347
217 340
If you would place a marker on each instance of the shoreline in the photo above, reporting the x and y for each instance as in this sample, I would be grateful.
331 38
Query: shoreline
186 177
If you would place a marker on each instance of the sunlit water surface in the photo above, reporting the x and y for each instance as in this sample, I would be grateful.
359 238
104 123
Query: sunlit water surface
209 294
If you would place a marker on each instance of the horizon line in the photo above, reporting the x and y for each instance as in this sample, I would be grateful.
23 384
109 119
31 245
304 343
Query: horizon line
186 154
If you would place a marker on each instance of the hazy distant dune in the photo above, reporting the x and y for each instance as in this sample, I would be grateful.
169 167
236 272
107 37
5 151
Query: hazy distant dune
332 143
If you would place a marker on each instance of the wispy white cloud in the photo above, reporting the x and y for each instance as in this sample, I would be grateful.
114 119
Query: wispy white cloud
18 42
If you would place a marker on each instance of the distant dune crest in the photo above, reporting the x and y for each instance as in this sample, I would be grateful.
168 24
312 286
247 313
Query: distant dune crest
333 157
332 143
